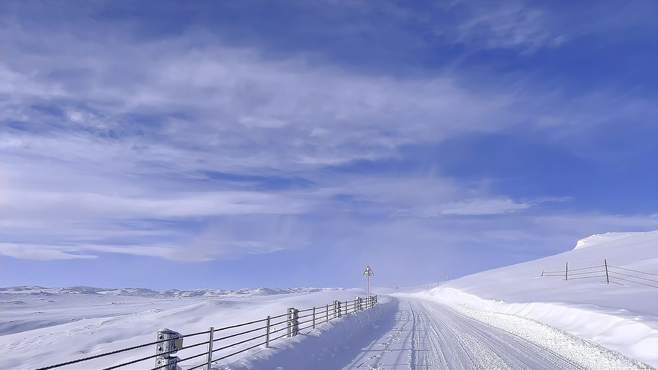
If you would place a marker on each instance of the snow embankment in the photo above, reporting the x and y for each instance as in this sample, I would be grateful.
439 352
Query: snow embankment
331 346
622 316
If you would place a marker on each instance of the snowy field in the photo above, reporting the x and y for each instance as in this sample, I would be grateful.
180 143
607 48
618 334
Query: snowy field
507 318
40 326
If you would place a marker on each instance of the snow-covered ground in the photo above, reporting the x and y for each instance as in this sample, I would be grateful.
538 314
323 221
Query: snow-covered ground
506 318
622 316
431 335
43 326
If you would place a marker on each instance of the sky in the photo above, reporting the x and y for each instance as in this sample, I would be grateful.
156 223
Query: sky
229 144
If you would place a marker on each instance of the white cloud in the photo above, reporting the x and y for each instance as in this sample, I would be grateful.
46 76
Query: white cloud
166 206
39 252
477 207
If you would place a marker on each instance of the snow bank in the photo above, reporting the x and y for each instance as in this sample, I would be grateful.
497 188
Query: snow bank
623 318
332 346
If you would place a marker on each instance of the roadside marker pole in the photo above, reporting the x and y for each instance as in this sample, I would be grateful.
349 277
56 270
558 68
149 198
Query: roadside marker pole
368 273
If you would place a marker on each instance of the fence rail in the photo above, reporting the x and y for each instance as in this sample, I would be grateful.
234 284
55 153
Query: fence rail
610 274
224 342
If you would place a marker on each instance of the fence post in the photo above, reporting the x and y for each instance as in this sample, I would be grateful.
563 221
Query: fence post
337 310
327 313
542 272
293 322
313 317
566 271
267 333
172 341
607 277
212 332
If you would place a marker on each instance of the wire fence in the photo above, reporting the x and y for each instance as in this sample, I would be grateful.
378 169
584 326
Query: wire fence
202 349
610 274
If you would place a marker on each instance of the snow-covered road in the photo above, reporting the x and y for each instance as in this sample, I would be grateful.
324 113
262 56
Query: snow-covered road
430 335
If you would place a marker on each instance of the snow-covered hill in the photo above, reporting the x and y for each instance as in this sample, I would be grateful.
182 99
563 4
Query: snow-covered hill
171 293
622 316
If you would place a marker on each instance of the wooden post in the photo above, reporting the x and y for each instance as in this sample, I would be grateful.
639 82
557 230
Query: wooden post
542 272
212 332
607 277
313 317
267 333
566 271
326 313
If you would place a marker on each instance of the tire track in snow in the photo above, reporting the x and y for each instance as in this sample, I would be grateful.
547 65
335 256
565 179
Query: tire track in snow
431 335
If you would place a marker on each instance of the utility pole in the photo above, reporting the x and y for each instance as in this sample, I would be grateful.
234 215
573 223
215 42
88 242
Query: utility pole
368 273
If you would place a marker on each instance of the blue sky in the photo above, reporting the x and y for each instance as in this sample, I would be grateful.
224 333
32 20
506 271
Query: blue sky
257 143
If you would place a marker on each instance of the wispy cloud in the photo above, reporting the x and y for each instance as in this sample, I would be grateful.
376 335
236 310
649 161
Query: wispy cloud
479 207
192 147
509 25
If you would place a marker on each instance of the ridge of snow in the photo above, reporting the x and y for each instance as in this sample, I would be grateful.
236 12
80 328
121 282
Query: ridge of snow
144 292
614 238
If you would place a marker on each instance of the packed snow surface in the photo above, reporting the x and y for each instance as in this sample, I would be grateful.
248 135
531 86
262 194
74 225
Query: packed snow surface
407 332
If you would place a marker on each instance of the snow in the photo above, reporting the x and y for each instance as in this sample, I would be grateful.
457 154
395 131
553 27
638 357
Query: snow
431 335
141 292
42 326
511 317
618 316
610 239
335 346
